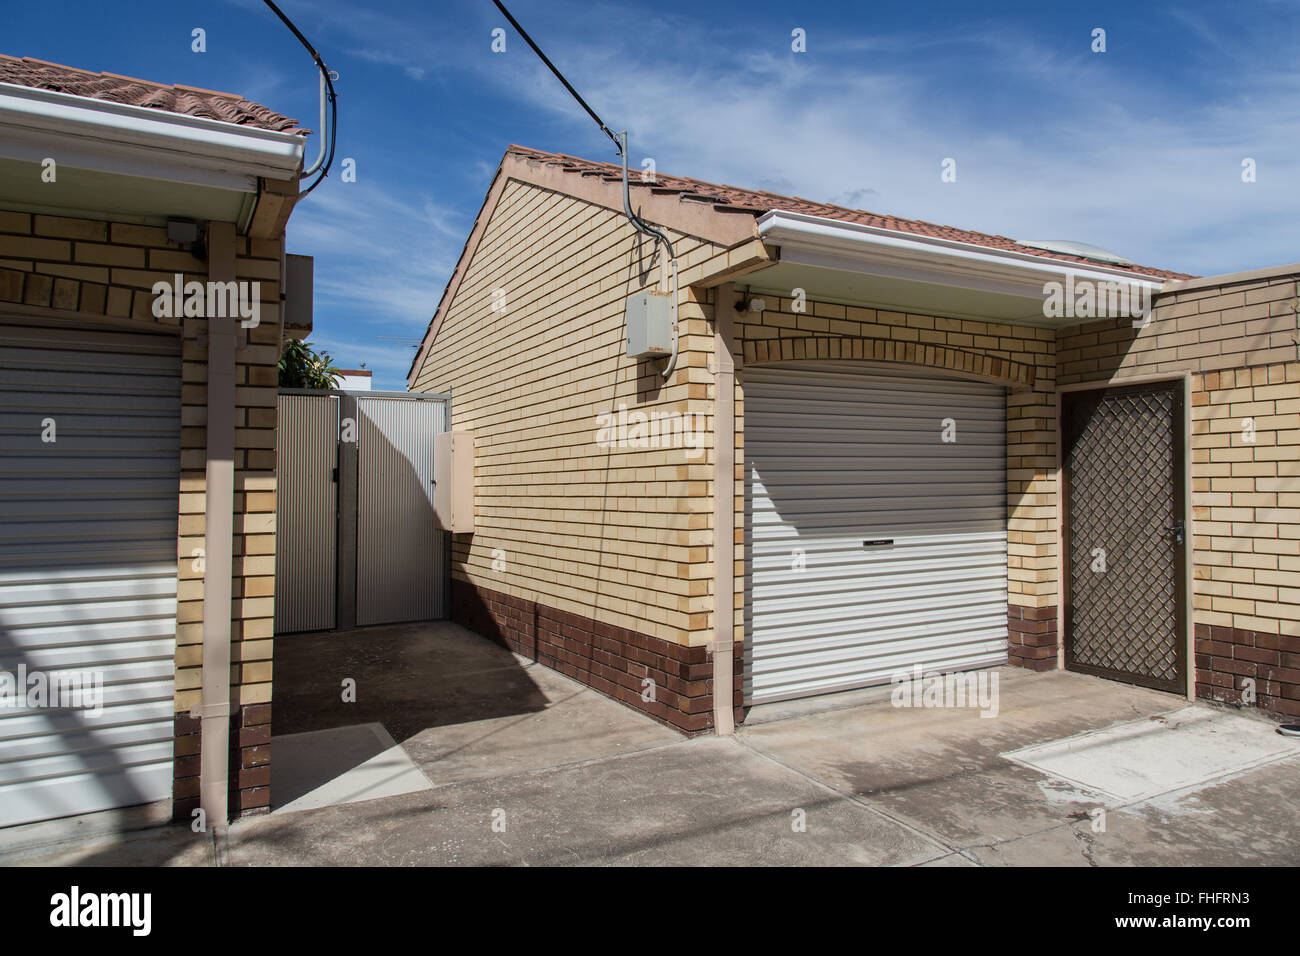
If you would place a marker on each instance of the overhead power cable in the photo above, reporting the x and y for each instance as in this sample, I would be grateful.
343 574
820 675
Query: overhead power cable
558 75
329 85
620 143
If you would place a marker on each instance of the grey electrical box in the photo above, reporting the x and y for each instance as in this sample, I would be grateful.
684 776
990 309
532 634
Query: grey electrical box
299 289
648 325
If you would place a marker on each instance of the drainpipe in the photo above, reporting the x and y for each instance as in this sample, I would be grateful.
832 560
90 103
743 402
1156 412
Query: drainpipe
214 770
724 509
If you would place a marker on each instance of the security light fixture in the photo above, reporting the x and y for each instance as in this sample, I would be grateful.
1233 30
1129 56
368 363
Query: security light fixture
182 232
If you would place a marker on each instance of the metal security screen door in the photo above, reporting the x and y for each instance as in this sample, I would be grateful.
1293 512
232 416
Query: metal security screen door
1124 534
874 544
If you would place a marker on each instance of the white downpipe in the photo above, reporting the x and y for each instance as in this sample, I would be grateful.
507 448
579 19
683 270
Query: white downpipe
218 536
324 129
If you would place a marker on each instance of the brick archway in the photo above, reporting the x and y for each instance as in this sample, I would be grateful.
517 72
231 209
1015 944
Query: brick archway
1012 374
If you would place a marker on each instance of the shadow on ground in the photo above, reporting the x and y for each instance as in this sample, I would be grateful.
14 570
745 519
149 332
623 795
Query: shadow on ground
408 677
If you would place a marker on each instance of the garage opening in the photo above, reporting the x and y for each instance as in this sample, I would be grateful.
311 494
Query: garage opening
90 424
876 527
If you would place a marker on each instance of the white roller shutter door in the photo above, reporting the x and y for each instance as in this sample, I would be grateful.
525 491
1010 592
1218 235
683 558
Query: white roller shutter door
873 544
88 563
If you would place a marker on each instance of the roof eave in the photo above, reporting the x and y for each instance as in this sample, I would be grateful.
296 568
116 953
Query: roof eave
832 243
87 133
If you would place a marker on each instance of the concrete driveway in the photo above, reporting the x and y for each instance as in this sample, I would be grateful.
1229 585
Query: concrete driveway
458 753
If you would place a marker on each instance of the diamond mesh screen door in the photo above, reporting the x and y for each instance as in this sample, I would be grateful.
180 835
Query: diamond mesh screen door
1124 536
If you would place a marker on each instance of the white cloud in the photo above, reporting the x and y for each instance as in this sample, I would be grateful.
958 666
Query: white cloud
382 251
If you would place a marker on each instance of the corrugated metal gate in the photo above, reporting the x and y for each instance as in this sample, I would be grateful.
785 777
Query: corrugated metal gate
401 567
1125 540
356 541
90 426
873 544
306 513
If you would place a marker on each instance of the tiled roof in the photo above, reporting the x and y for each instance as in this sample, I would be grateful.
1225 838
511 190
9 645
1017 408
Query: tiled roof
189 100
759 202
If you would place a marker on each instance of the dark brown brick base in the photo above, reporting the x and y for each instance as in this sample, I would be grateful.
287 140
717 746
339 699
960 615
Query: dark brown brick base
250 763
612 660
1227 656
1031 637
250 760
185 768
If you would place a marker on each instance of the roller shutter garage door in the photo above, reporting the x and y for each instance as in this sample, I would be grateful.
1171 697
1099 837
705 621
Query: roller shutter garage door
88 564
873 544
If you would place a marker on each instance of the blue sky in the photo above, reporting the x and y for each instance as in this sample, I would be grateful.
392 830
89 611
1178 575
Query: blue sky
1137 149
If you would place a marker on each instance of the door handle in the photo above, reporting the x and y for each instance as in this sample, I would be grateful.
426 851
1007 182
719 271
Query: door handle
1177 529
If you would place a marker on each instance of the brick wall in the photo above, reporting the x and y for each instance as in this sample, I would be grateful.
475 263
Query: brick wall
618 535
102 269
1019 357
671 682
1236 341
1241 324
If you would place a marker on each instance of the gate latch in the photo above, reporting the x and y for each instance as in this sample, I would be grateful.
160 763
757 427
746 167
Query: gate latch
1176 529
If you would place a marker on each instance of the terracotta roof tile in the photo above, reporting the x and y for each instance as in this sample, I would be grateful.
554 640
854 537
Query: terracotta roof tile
759 202
129 91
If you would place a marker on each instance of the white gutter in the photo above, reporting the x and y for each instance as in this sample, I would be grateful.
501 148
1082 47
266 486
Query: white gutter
86 133
834 244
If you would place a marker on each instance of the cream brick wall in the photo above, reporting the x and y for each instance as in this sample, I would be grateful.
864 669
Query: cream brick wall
103 269
1239 325
617 534
1246 498
1238 342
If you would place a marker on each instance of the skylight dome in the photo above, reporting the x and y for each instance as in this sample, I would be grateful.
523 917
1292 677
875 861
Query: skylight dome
1071 248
